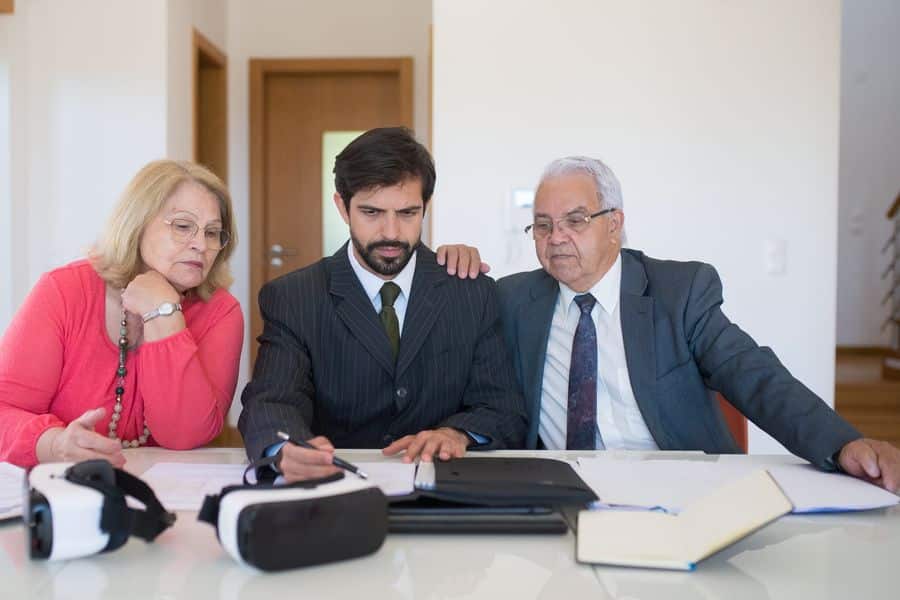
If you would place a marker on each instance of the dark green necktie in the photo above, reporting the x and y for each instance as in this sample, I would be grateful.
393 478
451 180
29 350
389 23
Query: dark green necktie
389 292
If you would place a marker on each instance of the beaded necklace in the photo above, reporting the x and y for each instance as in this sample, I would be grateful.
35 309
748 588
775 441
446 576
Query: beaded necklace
120 391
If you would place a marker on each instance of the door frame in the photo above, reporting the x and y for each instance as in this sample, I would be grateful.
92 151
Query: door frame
260 68
207 55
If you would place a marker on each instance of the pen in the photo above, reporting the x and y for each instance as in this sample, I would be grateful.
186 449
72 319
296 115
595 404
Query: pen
338 462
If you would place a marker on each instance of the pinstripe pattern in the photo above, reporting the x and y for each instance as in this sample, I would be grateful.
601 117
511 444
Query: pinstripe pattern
325 365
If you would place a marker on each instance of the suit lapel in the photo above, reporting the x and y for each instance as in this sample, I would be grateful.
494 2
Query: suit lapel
355 309
535 319
640 348
426 303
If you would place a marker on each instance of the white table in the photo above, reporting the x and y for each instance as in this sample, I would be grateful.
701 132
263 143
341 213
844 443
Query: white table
840 556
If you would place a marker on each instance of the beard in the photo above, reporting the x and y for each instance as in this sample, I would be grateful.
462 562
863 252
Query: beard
386 266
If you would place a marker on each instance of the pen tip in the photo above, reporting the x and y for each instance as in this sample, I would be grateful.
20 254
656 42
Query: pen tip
362 474
283 435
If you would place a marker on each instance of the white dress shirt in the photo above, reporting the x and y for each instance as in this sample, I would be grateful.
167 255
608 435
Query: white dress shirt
619 420
372 285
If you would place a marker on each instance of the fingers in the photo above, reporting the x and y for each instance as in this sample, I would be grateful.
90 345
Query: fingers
888 465
398 445
321 442
444 443
859 459
442 255
90 418
474 263
452 253
298 464
464 260
485 268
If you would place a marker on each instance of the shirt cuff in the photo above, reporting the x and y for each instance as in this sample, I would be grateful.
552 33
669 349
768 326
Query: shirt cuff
272 451
479 440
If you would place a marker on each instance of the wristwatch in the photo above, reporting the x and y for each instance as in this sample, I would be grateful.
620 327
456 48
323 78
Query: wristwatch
163 310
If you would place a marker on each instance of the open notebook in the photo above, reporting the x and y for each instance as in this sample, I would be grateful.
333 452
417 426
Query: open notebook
664 541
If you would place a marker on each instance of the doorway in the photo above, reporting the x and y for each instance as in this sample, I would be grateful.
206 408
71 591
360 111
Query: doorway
301 112
210 106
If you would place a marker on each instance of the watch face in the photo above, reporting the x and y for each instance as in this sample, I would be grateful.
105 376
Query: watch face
166 308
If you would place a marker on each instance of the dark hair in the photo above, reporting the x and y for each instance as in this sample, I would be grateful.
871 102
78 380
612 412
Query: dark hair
383 157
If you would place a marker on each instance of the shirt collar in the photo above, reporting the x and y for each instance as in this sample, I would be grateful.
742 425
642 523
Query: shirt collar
605 291
372 283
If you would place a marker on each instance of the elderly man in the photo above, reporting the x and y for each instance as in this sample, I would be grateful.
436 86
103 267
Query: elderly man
614 349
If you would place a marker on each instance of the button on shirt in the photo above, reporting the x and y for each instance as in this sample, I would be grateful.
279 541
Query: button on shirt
619 419
372 285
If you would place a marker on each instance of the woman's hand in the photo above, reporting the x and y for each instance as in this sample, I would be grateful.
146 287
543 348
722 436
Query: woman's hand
146 292
78 441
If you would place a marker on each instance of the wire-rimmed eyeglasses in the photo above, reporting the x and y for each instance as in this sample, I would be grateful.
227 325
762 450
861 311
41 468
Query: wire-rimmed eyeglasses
576 222
184 230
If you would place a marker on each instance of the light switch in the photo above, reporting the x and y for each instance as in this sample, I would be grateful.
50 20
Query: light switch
775 256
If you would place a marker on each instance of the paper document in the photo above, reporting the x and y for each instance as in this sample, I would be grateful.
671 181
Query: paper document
182 486
673 484
712 522
394 478
12 490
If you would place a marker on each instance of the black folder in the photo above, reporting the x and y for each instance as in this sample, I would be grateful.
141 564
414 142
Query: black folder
491 495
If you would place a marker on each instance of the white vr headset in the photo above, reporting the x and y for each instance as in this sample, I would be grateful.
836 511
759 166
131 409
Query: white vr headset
74 510
283 527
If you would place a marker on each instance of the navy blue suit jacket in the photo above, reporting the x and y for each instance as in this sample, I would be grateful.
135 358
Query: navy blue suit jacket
679 346
325 365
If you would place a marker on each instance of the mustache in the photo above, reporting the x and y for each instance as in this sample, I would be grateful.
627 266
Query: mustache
387 244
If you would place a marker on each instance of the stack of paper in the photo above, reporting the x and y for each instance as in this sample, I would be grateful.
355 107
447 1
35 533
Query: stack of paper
12 490
671 485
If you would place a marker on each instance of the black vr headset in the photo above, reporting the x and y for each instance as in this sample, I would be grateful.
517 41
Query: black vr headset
74 510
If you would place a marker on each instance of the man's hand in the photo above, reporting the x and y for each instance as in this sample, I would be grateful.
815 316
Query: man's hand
462 259
445 443
78 442
298 464
875 461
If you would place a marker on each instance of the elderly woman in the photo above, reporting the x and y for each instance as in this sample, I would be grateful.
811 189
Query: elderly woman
138 344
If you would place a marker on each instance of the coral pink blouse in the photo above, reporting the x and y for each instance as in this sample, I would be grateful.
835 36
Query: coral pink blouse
57 361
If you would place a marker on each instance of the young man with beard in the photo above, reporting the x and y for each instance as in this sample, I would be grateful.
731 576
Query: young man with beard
378 346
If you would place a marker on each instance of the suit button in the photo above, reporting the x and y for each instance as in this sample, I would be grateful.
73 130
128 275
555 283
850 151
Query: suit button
401 392
388 440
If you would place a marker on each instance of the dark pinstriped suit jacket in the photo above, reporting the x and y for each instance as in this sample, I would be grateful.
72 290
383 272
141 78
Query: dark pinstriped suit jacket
325 366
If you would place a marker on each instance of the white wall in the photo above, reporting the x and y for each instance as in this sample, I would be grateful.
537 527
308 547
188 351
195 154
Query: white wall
869 174
292 29
183 16
720 119
6 229
87 111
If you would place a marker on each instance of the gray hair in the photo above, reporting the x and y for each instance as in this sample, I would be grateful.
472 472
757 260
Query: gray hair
608 188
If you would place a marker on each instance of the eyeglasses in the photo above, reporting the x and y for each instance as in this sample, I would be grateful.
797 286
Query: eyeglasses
184 230
575 222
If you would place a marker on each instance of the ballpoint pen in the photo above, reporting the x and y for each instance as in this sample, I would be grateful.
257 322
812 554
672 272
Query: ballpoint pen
338 462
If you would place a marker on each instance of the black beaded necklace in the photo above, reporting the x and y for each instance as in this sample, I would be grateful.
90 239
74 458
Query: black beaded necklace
120 391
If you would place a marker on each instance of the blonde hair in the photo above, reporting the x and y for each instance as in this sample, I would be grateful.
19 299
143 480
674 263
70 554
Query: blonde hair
117 257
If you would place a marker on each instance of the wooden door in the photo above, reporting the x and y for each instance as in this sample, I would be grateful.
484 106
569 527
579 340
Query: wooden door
293 103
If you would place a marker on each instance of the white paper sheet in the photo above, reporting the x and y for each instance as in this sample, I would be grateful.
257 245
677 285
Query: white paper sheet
11 491
182 486
394 478
673 484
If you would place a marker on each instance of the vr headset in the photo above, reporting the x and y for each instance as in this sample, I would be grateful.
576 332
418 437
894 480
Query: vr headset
74 510
274 528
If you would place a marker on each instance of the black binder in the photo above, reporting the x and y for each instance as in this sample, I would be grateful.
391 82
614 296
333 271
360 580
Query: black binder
491 495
